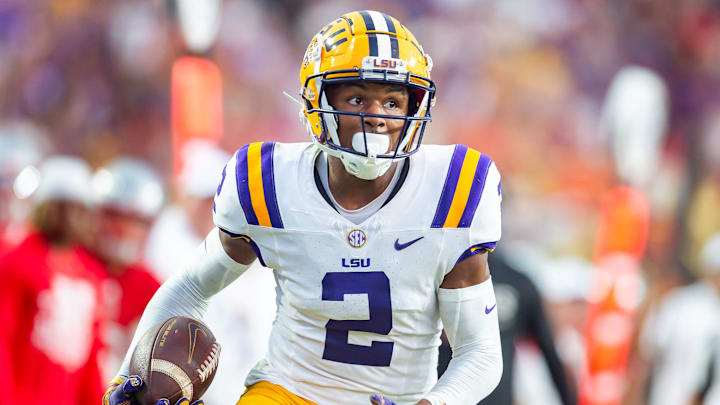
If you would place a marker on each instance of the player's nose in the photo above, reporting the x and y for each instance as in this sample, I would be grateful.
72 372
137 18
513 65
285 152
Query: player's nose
375 124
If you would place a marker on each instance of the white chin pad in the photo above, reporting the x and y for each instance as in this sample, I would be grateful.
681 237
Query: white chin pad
377 144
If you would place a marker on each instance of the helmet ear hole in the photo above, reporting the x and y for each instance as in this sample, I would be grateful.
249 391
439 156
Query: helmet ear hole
413 103
329 90
414 100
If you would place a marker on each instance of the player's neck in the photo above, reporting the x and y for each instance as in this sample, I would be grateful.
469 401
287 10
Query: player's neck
351 192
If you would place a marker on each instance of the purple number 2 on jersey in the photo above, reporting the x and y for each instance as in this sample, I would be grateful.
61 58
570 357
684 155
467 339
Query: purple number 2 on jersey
377 287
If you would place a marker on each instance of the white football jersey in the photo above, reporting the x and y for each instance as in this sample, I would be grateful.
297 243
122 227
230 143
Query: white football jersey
357 307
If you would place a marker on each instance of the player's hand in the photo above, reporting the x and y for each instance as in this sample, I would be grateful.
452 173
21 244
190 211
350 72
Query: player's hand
379 399
121 392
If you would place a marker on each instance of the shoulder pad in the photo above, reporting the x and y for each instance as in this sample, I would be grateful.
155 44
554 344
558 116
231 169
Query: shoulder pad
246 194
465 185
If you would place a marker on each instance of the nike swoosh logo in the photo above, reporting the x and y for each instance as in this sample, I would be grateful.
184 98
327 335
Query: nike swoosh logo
193 329
401 246
488 310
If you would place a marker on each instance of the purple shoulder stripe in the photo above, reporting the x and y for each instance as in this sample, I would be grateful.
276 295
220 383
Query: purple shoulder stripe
448 191
475 191
222 180
219 189
268 178
243 190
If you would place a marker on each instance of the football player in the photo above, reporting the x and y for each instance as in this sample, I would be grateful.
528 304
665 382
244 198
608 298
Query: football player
376 243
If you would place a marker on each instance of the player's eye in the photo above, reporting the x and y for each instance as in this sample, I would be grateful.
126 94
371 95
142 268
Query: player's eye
355 100
391 104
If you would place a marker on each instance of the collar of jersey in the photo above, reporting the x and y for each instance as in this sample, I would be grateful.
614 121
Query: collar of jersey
393 193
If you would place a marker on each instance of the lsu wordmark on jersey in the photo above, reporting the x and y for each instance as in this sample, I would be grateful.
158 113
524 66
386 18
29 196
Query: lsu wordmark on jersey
357 307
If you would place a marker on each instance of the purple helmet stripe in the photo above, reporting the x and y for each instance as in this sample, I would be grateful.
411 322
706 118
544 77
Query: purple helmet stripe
243 190
448 191
369 24
372 39
268 179
394 46
475 191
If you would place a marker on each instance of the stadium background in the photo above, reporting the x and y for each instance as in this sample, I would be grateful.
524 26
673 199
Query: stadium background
521 80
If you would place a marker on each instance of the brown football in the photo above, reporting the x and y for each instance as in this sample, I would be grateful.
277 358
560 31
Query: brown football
175 359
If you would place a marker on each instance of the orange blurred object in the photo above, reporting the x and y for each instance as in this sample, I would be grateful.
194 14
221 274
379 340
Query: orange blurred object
615 294
196 109
624 223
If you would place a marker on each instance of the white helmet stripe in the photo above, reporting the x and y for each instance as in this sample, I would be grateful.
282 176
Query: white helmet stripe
378 21
384 49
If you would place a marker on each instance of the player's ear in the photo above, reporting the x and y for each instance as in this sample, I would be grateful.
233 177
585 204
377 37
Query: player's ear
330 91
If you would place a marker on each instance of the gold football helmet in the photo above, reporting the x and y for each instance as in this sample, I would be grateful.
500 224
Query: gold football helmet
372 46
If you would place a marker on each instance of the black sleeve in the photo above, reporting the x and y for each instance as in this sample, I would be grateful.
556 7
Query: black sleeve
540 329
710 375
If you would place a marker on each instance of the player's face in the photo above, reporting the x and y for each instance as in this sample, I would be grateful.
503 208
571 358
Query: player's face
371 98
122 236
63 222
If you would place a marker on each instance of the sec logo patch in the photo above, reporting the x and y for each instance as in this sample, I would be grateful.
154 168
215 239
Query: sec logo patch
356 238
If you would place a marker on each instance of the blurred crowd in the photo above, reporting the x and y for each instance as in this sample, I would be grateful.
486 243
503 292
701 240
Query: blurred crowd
86 168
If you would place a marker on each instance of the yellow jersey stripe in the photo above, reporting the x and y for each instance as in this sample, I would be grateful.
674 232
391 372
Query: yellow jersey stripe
462 192
255 184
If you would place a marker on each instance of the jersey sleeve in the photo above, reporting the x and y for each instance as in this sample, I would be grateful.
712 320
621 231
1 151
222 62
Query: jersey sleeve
484 230
468 209
486 224
228 212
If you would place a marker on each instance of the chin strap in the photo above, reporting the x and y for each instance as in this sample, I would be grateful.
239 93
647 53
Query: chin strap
363 167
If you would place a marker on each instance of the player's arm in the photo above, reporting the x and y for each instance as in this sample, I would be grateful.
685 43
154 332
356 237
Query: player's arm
469 272
238 249
217 262
468 311
469 315
466 301
187 293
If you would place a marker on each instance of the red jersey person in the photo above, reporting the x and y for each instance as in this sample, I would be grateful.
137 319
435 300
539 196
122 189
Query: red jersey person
49 295
129 196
